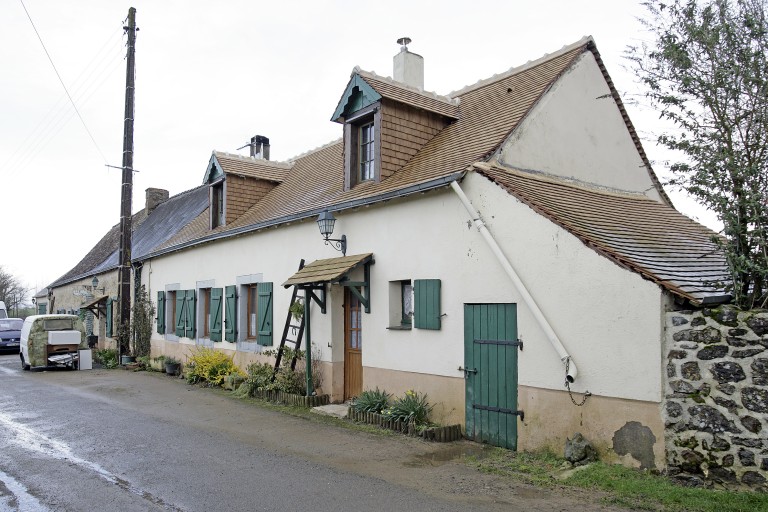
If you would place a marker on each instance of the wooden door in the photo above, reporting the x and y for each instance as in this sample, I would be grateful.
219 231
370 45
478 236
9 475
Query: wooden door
353 346
490 359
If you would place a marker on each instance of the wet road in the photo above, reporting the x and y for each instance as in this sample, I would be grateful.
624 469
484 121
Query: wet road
119 440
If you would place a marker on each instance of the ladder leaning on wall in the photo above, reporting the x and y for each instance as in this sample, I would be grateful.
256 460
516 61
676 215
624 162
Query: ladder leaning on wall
293 332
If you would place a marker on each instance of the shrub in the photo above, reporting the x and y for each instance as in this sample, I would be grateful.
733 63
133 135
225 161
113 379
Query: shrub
371 401
209 365
412 406
107 357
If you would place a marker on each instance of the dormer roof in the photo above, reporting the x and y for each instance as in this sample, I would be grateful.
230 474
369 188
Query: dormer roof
365 88
226 163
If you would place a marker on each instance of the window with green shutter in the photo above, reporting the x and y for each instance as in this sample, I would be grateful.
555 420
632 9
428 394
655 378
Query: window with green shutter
161 312
265 314
426 311
189 306
108 318
230 313
181 313
216 313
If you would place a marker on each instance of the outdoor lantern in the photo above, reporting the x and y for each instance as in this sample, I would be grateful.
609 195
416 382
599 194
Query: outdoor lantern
326 221
95 282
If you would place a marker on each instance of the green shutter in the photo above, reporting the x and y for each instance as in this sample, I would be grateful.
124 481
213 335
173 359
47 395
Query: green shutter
189 303
181 317
161 312
265 313
108 316
426 304
216 296
230 314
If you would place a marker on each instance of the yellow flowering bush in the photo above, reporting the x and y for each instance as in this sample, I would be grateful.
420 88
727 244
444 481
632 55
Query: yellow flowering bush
209 365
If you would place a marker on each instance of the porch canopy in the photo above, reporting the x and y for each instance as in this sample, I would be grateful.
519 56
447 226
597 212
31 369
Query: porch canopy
332 270
97 306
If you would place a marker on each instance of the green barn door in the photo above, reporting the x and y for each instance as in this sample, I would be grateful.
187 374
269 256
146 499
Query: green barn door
490 364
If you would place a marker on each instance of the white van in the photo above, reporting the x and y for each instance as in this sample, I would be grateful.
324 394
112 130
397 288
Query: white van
3 311
51 340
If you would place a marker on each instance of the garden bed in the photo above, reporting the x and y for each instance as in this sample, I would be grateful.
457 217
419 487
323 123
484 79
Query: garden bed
438 434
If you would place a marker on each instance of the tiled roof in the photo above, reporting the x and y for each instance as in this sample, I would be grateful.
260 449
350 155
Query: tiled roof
330 270
149 232
252 167
648 237
388 88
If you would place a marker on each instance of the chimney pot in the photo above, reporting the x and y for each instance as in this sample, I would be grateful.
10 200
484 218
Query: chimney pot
260 147
408 67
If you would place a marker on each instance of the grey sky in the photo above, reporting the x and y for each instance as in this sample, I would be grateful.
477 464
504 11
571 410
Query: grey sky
212 74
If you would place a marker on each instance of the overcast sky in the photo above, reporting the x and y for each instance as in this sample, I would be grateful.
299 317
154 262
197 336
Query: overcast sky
212 74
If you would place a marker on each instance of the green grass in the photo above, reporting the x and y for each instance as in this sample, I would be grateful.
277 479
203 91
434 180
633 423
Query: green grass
621 486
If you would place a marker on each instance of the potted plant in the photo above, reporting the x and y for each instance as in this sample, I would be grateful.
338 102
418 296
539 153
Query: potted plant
297 310
172 365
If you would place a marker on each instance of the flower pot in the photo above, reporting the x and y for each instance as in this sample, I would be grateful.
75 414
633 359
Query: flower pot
127 360
172 368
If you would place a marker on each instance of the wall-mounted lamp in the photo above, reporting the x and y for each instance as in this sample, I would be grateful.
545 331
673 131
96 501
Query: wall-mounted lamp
34 301
326 221
95 283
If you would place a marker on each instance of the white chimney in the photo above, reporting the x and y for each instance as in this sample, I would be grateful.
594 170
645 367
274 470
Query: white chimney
408 67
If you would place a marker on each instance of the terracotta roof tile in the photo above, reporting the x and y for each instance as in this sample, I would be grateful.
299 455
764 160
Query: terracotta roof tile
388 88
252 167
648 237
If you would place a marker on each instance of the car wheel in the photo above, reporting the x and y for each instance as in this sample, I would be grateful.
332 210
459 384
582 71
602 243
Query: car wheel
24 366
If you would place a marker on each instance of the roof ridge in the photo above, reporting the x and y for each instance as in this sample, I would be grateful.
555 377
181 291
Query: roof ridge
563 180
261 161
391 81
524 67
312 151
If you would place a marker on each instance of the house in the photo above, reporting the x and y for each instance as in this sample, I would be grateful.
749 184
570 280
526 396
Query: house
91 286
506 249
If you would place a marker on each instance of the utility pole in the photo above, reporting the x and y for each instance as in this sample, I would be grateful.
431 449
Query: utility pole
126 195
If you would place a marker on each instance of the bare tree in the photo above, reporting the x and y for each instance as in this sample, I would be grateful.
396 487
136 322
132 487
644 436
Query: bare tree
12 292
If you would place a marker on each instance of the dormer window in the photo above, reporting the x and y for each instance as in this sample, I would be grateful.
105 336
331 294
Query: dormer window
362 158
217 204
367 153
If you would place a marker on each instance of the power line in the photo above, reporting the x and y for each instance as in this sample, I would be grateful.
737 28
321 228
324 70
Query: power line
62 82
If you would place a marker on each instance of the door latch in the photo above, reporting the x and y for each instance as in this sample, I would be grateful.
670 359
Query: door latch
467 371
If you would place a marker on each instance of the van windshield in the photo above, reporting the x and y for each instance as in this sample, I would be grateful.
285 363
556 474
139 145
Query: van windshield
11 325
58 324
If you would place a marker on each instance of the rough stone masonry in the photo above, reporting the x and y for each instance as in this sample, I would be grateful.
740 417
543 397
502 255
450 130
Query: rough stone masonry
715 409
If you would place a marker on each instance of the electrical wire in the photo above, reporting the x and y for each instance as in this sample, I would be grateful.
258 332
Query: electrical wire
62 83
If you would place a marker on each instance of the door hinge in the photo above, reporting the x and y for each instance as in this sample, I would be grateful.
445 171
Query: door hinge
520 413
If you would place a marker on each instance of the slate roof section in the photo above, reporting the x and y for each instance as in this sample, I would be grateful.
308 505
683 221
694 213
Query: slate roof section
252 167
149 232
331 270
648 237
388 88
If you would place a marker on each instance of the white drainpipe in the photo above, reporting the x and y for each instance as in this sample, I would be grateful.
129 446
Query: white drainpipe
567 360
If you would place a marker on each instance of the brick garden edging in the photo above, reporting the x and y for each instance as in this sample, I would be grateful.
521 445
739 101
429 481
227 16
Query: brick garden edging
291 399
437 434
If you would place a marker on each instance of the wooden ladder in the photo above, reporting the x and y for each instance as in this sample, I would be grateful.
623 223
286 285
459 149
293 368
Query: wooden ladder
291 328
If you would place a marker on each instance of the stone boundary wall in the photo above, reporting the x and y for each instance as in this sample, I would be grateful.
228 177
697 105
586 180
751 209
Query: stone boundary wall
715 409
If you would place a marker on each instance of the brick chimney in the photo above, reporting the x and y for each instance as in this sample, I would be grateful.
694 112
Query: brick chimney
259 147
408 67
155 196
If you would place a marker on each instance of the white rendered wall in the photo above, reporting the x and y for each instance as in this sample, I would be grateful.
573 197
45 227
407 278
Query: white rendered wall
576 130
609 318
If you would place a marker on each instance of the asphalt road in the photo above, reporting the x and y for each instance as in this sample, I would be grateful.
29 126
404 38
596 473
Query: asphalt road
106 440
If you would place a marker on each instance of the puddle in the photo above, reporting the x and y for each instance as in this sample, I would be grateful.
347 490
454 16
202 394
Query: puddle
447 454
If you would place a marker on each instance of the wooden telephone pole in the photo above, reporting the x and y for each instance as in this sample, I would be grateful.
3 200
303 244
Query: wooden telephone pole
126 196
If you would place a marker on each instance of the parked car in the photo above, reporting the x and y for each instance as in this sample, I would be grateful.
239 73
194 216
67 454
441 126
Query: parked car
51 340
10 333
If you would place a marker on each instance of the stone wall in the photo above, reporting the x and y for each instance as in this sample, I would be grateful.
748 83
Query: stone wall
716 397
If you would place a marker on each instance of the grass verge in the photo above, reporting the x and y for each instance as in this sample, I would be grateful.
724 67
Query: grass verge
621 486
